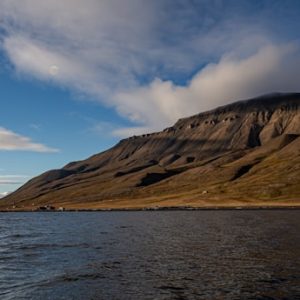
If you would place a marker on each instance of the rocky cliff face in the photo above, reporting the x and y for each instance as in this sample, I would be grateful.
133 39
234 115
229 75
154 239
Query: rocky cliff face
245 151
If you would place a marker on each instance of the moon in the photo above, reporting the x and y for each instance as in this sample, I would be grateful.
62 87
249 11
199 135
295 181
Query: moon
53 70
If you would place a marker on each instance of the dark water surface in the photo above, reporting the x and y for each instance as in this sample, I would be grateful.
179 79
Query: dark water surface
150 255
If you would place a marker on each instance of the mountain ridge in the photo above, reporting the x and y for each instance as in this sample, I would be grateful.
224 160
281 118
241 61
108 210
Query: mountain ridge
203 160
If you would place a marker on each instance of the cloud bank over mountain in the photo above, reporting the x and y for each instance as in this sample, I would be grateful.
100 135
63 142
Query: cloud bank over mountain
152 61
272 68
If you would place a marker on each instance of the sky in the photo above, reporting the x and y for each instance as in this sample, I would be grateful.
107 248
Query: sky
76 76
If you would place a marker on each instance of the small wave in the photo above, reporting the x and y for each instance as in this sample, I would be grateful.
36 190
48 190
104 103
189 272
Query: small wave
89 276
170 287
50 245
17 236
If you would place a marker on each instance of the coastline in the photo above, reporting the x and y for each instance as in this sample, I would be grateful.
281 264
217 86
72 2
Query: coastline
166 208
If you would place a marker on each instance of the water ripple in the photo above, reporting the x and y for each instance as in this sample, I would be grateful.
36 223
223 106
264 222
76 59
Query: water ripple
150 255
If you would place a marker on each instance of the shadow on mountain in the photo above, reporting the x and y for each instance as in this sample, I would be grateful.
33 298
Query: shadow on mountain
151 178
242 171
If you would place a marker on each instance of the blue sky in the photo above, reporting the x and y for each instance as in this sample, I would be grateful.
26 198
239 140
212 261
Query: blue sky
78 75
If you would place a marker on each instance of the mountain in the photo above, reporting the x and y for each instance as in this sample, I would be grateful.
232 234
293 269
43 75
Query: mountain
242 154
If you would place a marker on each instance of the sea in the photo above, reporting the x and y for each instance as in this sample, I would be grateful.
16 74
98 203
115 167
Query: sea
205 254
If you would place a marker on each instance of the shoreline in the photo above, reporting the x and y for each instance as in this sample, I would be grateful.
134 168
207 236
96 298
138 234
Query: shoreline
170 208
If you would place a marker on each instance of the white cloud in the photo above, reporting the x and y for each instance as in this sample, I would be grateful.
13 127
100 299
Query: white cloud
102 46
34 58
4 194
9 181
128 54
130 131
272 68
94 45
13 176
11 141
13 179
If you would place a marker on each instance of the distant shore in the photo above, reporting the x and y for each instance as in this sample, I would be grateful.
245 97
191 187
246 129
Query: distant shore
170 208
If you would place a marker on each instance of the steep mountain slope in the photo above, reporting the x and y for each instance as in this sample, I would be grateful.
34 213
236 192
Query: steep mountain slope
245 153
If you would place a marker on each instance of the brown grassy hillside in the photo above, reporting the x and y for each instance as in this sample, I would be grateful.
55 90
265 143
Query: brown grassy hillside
243 154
